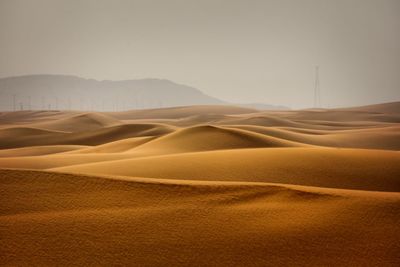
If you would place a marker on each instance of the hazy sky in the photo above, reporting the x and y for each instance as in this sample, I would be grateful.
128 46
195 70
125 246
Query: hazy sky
239 51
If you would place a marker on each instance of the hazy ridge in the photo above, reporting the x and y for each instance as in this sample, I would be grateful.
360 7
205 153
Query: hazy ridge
65 92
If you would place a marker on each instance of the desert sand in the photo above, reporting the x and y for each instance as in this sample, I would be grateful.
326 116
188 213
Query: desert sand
201 186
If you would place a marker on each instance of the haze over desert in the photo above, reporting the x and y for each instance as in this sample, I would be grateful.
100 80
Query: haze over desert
200 133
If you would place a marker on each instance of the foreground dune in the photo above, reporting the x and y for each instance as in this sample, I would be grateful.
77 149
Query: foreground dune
327 167
82 220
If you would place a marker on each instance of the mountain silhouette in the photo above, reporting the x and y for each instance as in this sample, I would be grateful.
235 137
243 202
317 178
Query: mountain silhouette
63 92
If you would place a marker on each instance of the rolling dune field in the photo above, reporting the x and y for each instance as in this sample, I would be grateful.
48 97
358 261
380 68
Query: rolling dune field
201 186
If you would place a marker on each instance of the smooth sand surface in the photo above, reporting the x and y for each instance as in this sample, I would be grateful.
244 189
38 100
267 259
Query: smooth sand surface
80 122
39 150
201 186
14 137
62 219
327 167
387 138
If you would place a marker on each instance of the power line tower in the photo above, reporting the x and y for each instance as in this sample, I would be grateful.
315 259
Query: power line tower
317 89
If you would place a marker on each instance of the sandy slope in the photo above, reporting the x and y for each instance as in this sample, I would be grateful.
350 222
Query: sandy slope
344 116
251 188
29 117
80 123
372 138
58 160
25 136
337 168
206 138
80 220
39 150
384 108
123 145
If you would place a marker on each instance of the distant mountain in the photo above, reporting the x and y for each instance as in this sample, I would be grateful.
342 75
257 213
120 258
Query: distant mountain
62 92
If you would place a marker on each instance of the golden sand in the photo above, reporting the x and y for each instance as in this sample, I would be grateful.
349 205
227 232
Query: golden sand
201 186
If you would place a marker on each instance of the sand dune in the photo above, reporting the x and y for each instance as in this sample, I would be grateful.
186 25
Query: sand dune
265 120
156 223
110 134
123 145
21 137
370 138
201 119
39 150
201 186
343 116
180 112
80 123
377 138
195 139
25 136
271 120
29 117
388 108
206 137
58 160
337 168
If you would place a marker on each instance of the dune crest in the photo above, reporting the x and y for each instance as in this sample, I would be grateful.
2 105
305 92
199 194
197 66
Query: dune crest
337 168
80 123
207 137
38 150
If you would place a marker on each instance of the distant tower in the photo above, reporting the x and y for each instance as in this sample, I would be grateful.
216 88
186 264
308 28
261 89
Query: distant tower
317 89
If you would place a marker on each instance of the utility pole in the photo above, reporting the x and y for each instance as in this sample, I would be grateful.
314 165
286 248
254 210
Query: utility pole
317 89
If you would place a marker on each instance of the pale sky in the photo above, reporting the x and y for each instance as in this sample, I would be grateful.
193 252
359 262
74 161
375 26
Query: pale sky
239 51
